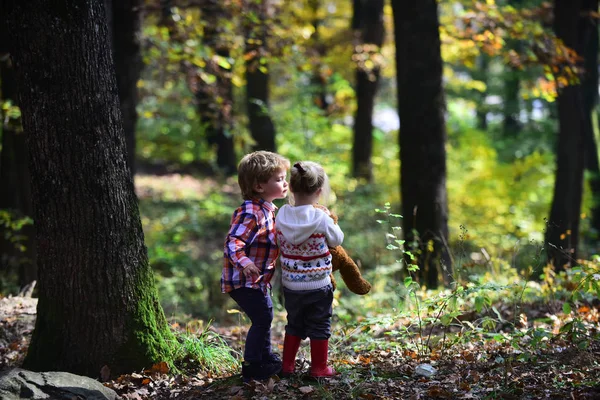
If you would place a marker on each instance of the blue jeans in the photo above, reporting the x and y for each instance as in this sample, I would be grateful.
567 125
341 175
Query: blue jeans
309 312
259 308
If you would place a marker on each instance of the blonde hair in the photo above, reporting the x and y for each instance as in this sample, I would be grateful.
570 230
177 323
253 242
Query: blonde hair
259 167
307 177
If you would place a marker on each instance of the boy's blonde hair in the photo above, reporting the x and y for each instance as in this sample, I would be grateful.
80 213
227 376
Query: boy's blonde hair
308 177
259 167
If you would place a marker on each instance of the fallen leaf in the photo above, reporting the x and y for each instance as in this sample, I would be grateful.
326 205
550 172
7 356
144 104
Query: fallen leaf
306 389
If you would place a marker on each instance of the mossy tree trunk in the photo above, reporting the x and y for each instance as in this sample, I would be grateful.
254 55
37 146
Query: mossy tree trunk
422 136
97 299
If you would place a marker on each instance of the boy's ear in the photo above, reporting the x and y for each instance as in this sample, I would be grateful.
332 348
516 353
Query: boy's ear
258 188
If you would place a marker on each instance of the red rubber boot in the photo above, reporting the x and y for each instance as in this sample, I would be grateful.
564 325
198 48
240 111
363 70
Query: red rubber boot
291 344
318 359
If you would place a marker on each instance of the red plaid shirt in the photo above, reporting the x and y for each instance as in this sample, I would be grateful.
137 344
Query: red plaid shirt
251 239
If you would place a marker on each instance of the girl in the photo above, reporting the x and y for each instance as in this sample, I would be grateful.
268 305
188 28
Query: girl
304 233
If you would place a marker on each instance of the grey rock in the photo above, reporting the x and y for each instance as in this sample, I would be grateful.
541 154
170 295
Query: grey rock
17 384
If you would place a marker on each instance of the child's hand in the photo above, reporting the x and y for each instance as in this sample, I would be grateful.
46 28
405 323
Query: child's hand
251 272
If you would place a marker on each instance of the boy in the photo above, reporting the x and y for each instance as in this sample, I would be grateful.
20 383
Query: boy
250 254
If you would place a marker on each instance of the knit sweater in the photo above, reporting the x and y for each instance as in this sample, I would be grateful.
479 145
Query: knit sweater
304 234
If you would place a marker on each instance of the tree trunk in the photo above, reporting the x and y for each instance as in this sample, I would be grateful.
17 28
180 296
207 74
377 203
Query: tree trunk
367 81
511 125
512 88
422 134
562 232
589 33
257 77
97 300
215 100
481 74
126 31
320 77
15 189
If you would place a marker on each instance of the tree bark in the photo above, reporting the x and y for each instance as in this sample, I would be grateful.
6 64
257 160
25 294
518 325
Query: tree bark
367 81
589 34
481 74
126 31
422 134
562 232
261 126
97 301
512 88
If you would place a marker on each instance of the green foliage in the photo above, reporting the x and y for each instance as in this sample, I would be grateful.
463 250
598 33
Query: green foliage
13 257
204 350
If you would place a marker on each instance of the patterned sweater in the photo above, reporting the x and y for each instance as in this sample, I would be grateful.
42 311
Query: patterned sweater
304 234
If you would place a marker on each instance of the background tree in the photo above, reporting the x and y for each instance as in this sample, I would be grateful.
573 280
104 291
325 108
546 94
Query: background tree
97 301
17 247
126 22
590 82
562 234
214 93
422 135
256 27
368 23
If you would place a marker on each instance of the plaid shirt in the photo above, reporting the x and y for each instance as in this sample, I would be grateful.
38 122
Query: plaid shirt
251 239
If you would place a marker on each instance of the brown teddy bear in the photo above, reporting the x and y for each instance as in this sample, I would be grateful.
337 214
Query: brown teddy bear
341 261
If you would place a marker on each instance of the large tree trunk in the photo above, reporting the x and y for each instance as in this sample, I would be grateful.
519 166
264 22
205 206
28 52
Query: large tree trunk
562 232
589 35
15 189
97 300
126 31
422 133
371 30
257 76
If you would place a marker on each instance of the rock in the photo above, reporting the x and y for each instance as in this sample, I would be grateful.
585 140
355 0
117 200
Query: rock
426 370
16 384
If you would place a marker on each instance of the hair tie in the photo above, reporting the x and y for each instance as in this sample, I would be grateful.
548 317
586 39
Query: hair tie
299 168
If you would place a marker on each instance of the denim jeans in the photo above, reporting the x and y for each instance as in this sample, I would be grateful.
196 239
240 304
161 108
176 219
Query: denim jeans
259 308
309 312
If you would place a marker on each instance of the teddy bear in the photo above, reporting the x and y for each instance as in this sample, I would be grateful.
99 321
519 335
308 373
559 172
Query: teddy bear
341 261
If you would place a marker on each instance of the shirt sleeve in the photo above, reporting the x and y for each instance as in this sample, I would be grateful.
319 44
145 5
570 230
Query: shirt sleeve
333 232
241 234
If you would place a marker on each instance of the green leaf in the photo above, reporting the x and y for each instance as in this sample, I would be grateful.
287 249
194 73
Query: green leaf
566 308
408 281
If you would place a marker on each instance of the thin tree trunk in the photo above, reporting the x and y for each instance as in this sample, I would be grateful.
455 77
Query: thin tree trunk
320 78
482 72
562 232
15 189
215 100
512 88
422 134
126 31
367 82
257 77
589 31
98 305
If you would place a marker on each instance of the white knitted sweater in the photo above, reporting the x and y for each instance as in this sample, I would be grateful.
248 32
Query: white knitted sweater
304 234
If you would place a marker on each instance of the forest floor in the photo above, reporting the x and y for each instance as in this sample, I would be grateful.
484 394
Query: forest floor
477 370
